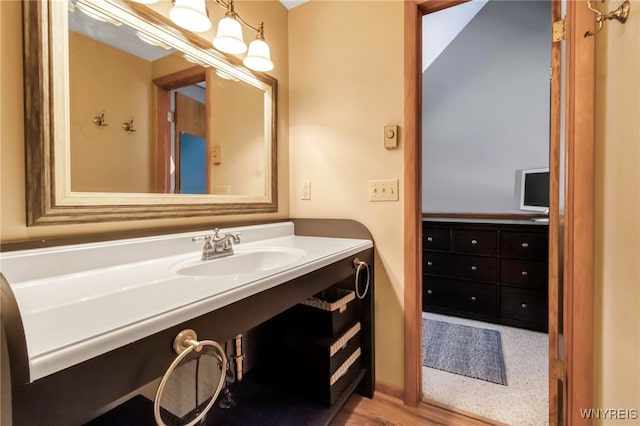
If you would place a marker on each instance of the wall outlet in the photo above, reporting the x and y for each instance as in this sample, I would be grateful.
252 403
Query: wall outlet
383 190
305 193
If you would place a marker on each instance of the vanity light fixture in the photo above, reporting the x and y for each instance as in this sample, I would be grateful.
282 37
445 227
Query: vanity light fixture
92 13
229 39
259 55
229 36
190 14
146 1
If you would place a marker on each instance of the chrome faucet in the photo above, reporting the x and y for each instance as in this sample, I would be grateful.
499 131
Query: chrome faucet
216 246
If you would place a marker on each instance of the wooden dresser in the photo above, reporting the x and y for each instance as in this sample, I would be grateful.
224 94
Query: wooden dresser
490 271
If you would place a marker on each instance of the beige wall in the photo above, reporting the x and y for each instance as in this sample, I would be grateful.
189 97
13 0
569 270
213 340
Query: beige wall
12 173
102 78
346 62
238 129
617 261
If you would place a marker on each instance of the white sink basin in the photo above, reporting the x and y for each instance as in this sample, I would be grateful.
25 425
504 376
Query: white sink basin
243 261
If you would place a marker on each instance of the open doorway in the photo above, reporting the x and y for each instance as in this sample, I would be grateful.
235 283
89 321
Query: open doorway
182 129
485 154
570 365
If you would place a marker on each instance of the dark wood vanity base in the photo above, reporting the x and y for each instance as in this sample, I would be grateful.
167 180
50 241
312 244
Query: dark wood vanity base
495 272
88 392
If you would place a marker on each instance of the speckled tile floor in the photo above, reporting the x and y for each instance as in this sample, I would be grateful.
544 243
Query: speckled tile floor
523 402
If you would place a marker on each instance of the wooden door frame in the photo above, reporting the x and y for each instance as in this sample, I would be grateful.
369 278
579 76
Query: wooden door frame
162 89
579 205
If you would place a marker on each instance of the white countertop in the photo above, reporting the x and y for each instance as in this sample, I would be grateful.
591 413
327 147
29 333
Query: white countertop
81 301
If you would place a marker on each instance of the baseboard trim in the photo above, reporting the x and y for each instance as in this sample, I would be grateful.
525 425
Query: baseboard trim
393 391
454 414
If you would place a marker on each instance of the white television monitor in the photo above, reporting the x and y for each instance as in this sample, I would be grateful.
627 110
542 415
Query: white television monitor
532 190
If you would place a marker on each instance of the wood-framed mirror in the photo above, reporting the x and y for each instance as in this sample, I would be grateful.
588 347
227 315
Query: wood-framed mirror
114 132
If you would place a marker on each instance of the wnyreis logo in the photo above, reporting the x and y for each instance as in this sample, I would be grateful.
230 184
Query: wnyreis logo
609 413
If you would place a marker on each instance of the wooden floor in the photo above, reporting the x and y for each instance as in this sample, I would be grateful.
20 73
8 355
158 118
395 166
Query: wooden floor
384 410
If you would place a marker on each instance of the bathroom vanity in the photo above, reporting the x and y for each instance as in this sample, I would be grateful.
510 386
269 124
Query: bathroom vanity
87 325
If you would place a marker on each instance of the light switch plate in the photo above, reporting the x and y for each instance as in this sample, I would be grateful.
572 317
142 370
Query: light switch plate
383 190
305 190
216 154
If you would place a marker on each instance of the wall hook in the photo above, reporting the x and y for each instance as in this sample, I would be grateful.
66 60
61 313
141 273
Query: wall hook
620 14
99 121
128 127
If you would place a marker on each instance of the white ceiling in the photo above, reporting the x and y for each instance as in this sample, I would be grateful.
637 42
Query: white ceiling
290 4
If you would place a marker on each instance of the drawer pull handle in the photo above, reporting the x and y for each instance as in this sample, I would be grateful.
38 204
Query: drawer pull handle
474 242
429 263
429 238
524 306
525 273
473 298
525 245
429 292
473 268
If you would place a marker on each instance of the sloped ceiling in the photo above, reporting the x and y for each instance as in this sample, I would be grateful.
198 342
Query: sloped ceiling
440 28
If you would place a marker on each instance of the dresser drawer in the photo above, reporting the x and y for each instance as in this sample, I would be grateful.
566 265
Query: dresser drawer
524 245
460 296
434 293
435 238
475 241
478 268
524 305
530 273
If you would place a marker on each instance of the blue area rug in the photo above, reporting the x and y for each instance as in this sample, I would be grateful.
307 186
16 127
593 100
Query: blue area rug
461 349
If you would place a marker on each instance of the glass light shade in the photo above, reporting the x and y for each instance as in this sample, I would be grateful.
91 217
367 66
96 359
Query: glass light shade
190 15
146 1
259 56
229 37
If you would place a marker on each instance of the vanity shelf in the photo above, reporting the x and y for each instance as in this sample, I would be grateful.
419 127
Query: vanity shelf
258 404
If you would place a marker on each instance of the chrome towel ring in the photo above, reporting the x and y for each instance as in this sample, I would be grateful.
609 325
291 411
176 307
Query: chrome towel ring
185 343
361 265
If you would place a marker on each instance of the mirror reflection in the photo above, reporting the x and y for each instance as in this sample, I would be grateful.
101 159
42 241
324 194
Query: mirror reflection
144 118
